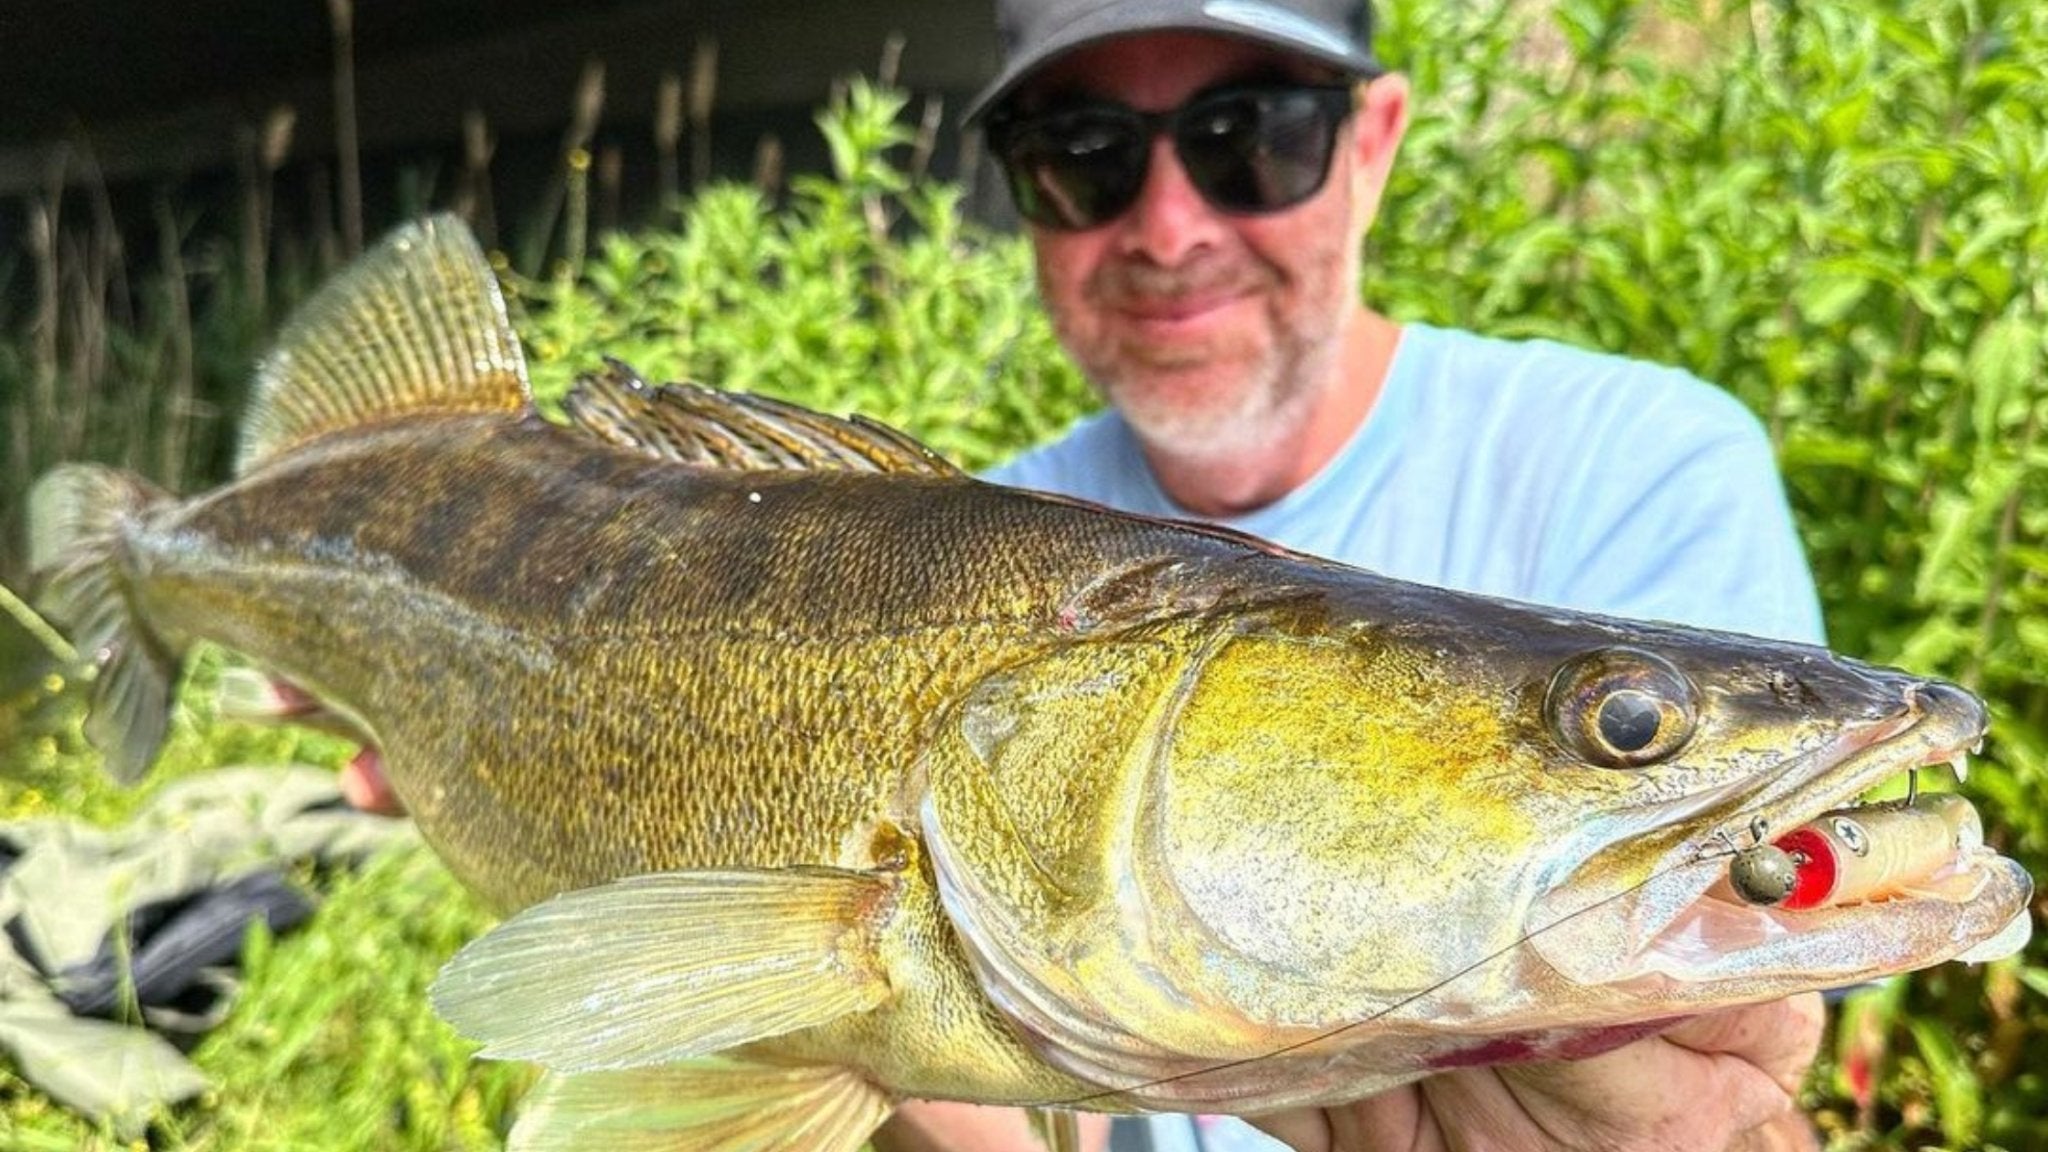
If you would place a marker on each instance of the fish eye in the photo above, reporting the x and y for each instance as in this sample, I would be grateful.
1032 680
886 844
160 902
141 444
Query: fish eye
1629 719
1621 707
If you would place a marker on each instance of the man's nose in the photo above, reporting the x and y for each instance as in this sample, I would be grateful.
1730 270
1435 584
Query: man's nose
1170 221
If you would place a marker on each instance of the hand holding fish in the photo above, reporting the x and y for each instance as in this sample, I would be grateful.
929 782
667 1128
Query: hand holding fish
1750 1061
1722 1082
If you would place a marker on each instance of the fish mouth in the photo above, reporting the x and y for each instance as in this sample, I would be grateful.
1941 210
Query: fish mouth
1686 933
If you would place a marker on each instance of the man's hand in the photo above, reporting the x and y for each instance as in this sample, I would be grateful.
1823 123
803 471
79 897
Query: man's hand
363 785
1718 1083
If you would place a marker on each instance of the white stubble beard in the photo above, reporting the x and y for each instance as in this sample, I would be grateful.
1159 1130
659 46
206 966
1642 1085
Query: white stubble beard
1267 412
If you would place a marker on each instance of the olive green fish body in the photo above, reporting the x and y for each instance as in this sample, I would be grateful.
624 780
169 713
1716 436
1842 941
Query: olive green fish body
578 607
657 666
818 774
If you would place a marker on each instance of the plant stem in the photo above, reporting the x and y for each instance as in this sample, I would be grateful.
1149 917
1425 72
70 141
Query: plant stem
33 623
341 14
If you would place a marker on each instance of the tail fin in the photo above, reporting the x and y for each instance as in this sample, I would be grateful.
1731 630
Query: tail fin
77 515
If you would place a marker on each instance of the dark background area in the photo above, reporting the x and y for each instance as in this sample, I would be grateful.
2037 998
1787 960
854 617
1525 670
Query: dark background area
173 173
181 97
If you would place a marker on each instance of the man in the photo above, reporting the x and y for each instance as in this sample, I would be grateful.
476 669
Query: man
1197 179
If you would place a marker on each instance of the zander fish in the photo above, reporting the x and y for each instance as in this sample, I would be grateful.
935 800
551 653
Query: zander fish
818 774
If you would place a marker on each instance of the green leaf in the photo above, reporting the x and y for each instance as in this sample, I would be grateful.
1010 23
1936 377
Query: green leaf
2035 979
1841 123
1994 234
1958 1098
1951 523
2001 364
2032 634
1935 644
1826 297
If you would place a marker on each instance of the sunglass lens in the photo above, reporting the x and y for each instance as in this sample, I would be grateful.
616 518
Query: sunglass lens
1257 151
1075 171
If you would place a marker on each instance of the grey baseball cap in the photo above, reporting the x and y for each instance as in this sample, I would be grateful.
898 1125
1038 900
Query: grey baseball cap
1034 32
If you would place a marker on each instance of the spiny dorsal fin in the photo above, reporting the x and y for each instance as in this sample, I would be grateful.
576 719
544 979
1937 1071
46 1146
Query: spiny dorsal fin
692 424
417 325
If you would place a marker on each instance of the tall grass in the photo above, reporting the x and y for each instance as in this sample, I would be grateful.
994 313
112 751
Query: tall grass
1831 209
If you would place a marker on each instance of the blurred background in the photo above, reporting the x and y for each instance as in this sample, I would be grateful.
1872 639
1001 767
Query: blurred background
1831 208
234 152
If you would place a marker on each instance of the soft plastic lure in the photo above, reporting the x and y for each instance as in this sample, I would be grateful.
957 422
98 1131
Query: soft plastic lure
1872 852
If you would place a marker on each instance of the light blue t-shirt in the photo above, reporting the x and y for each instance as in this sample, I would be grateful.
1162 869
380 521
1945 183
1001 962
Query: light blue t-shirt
1530 470
1524 469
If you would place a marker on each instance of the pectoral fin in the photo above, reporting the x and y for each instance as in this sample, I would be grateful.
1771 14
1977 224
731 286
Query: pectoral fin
716 1104
668 967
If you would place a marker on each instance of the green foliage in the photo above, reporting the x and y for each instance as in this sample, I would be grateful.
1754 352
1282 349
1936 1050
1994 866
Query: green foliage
331 1043
1830 208
868 293
337 1014
1834 210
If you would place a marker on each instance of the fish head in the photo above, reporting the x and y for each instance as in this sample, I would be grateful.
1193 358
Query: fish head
1261 857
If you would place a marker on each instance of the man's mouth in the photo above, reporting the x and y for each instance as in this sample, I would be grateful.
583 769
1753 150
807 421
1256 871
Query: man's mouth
1176 310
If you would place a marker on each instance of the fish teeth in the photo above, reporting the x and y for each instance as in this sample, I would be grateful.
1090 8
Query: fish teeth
1960 765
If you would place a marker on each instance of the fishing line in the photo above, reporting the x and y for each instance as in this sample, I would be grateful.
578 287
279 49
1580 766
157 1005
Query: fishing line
1702 854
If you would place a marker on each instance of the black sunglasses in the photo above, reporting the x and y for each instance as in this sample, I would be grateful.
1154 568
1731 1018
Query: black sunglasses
1248 149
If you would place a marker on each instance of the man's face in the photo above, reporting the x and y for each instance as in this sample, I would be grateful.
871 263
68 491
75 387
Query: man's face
1212 332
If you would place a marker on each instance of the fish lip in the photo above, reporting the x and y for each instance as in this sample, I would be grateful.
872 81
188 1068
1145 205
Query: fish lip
1981 914
1937 722
1924 734
1933 722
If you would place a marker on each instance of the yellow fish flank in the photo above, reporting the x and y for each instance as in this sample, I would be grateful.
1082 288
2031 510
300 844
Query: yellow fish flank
814 774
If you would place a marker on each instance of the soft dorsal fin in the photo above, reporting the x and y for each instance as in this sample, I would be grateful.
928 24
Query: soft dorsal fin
692 424
417 325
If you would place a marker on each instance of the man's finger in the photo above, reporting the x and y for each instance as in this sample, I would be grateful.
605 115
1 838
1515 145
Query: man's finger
1780 1038
363 785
